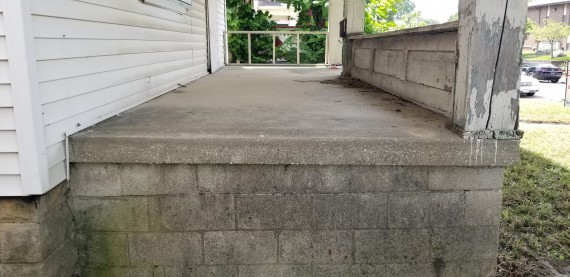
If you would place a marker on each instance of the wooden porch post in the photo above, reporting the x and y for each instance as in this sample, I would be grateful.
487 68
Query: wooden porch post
354 14
488 69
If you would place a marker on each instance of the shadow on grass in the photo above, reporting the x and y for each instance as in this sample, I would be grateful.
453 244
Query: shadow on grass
535 227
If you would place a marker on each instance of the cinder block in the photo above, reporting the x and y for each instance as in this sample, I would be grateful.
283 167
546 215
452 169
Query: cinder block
317 178
32 209
151 179
324 247
117 272
412 270
464 244
97 250
195 212
483 208
409 210
276 212
275 270
392 246
447 209
18 210
470 268
35 242
357 270
241 178
443 269
196 271
60 263
56 229
465 178
117 214
170 249
21 243
350 211
388 178
94 179
240 247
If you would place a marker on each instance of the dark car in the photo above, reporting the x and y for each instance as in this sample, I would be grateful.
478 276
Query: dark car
546 72
527 65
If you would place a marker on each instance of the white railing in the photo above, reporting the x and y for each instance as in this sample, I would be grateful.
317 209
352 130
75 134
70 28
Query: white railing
274 34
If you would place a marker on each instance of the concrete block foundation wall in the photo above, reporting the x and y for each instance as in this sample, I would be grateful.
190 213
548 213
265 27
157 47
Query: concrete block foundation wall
415 64
36 235
285 220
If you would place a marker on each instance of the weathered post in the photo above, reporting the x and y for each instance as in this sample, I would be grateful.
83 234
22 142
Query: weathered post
488 68
336 14
354 14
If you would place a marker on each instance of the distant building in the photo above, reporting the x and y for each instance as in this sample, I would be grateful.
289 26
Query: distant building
539 11
285 17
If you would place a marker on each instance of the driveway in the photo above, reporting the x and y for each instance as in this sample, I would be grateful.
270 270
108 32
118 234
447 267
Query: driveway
549 92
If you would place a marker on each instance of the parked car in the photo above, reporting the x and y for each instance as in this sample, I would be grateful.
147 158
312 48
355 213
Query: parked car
527 65
546 72
529 85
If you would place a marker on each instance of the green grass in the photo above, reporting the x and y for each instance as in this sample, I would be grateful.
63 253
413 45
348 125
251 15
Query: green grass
536 204
531 56
537 111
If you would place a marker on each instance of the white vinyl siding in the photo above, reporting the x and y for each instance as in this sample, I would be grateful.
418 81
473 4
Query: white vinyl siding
10 180
96 58
221 21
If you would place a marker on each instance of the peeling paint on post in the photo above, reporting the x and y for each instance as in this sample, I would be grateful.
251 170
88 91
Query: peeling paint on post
489 52
354 14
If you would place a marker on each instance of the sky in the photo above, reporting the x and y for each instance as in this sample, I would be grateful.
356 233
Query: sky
439 10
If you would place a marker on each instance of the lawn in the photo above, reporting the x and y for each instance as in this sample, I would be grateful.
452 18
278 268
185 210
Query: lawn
531 56
536 204
537 111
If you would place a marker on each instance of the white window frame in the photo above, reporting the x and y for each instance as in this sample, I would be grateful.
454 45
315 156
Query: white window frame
178 6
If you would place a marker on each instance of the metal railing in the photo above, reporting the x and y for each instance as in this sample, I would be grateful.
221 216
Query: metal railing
274 34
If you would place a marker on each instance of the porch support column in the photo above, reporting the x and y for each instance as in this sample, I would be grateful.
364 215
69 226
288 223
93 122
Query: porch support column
490 42
354 14
336 14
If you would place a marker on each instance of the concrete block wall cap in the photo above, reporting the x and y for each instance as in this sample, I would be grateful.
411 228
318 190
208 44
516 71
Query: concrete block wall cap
294 150
437 28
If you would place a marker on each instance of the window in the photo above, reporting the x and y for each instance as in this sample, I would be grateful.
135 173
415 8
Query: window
178 6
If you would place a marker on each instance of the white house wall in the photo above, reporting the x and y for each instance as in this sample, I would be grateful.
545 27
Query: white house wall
10 180
217 26
96 58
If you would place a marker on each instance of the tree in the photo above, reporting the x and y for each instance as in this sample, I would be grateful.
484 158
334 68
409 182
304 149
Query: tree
530 26
552 32
453 17
242 17
379 15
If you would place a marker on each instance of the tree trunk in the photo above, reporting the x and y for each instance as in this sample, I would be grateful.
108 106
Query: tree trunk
552 50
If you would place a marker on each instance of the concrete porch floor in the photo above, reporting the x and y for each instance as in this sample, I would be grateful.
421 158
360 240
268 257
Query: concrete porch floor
260 115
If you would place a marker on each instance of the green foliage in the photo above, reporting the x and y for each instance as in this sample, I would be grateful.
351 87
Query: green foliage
536 204
530 26
313 16
453 17
388 15
242 17
379 15
552 32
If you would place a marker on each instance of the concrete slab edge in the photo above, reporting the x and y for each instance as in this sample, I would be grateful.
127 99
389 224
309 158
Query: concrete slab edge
315 151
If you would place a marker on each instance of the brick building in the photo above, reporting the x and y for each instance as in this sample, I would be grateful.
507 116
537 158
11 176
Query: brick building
540 10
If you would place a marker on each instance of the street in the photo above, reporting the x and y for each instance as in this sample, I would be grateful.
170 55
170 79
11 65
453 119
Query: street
549 92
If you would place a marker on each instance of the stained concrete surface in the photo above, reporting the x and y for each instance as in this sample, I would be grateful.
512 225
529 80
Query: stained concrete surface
261 115
275 102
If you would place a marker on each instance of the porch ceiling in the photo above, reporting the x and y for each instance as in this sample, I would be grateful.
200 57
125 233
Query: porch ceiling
279 115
